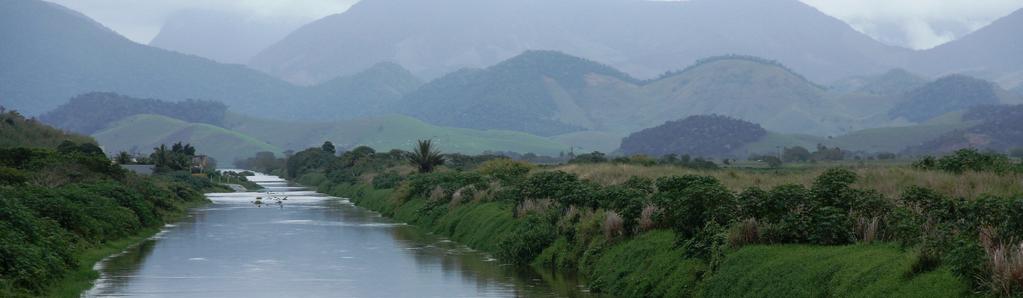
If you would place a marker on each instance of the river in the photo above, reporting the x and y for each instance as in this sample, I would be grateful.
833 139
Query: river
312 245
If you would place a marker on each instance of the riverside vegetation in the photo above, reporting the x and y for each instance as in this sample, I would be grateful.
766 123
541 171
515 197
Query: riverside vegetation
64 205
641 227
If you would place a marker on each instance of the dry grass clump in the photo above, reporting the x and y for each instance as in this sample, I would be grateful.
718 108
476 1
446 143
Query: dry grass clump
745 233
646 218
533 206
890 180
866 229
461 195
1005 263
438 194
614 225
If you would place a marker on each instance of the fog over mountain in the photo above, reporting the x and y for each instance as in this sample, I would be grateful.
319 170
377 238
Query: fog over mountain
639 37
992 52
222 36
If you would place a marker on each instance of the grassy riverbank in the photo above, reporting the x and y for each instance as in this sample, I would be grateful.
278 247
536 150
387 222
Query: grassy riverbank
646 230
652 265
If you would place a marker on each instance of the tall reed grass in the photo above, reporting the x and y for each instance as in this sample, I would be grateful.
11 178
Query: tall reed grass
889 180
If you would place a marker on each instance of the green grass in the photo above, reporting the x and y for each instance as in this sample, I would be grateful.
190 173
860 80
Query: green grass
475 224
651 265
827 271
144 132
391 132
648 265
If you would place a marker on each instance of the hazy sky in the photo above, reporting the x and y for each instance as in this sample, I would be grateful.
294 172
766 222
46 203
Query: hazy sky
914 23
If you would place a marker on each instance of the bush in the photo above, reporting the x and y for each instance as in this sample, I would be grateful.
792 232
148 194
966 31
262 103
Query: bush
832 188
506 170
690 202
528 240
389 179
593 157
968 160
421 185
564 188
9 176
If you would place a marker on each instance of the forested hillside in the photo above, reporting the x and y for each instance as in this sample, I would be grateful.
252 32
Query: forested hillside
894 82
710 135
1000 128
550 93
92 112
523 93
947 94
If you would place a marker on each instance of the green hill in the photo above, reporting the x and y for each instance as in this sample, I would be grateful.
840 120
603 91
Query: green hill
998 128
948 94
520 94
893 82
701 135
91 112
141 133
17 131
390 132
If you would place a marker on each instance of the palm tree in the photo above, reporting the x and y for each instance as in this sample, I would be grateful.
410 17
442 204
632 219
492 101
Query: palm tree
425 157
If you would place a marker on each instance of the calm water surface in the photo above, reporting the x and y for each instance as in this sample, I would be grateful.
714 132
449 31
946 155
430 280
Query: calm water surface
312 246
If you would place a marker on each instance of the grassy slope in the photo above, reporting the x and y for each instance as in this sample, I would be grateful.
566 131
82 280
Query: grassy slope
883 139
143 132
650 265
16 131
839 271
391 132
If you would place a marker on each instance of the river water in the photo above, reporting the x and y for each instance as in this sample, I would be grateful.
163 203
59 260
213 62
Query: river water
312 245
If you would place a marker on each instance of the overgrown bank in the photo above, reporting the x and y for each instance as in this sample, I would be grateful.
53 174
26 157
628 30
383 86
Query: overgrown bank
65 205
691 236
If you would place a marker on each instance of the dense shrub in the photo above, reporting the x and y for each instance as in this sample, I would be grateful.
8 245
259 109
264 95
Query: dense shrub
422 185
506 170
564 188
71 199
528 240
968 160
389 179
691 201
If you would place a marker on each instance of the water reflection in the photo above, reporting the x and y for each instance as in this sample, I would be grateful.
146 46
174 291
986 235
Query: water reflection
315 246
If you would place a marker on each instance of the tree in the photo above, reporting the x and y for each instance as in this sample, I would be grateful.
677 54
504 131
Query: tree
796 154
425 156
123 158
328 147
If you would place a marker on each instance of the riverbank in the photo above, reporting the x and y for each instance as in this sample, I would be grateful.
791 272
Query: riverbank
82 278
652 265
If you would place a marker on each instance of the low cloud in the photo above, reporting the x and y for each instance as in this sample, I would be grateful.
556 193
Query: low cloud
918 24
141 20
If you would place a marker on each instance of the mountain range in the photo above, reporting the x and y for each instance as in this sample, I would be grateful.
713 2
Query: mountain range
52 53
551 94
643 38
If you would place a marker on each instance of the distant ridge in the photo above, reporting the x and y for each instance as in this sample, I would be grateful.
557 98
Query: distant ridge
51 53
640 37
